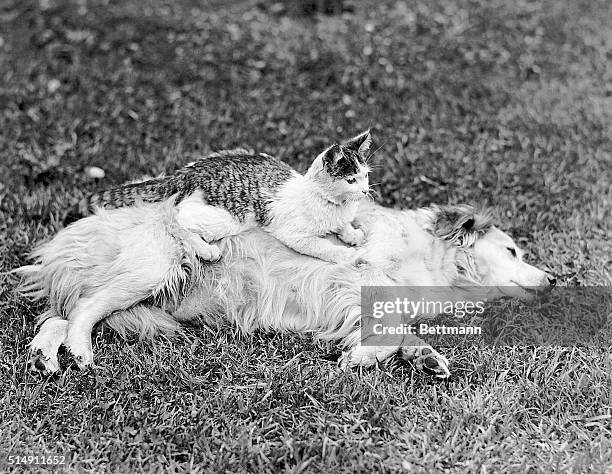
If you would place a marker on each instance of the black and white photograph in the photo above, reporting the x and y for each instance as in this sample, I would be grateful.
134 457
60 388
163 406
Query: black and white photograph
306 236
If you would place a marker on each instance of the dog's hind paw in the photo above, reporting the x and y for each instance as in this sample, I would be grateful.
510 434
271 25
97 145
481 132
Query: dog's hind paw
83 357
43 364
44 346
427 359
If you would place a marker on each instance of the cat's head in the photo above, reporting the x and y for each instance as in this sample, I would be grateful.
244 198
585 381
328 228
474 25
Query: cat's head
341 170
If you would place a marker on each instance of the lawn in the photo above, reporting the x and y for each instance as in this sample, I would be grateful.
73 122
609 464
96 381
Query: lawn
494 103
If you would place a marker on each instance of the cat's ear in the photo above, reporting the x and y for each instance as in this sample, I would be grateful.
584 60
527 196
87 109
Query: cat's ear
331 156
361 143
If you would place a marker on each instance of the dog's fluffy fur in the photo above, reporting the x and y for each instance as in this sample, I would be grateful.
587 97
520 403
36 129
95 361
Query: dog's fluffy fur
136 269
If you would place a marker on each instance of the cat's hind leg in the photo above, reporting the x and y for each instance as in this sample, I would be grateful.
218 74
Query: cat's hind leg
44 347
211 223
204 250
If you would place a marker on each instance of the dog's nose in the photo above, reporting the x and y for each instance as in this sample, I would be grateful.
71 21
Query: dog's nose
552 281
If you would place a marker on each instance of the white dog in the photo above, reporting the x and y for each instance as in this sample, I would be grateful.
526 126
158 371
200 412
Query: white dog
135 269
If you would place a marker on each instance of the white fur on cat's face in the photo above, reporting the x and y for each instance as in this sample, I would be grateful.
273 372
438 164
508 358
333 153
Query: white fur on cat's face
341 172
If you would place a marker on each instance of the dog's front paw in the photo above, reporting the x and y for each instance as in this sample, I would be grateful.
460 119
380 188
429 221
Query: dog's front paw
427 359
354 358
364 356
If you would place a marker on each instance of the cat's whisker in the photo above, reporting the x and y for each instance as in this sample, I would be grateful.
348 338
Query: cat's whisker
367 160
372 194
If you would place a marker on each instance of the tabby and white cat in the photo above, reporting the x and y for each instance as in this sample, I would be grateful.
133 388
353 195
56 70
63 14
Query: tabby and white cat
231 191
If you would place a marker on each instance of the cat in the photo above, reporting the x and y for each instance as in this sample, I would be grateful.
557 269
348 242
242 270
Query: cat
231 191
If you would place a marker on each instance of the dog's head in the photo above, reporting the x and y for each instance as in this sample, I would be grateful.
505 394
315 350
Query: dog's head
487 256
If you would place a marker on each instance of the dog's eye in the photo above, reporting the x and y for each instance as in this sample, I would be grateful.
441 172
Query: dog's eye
512 251
350 180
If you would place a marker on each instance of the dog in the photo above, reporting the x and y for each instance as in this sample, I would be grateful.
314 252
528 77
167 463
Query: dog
135 269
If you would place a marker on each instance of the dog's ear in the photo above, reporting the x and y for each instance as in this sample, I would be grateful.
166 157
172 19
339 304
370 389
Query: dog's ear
469 223
458 224
451 219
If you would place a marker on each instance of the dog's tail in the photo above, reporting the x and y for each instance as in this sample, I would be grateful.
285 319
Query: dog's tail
56 274
144 321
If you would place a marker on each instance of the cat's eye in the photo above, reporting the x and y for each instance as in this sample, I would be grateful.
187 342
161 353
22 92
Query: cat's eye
350 180
512 251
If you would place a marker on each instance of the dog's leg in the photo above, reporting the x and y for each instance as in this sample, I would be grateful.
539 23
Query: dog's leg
365 356
81 321
43 348
427 359
409 348
126 291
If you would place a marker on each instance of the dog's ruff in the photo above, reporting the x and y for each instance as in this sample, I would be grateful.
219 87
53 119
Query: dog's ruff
137 269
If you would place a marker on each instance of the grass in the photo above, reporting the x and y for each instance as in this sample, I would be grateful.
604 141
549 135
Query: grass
503 104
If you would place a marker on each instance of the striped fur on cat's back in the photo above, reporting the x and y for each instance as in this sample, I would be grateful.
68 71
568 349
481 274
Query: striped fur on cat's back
237 180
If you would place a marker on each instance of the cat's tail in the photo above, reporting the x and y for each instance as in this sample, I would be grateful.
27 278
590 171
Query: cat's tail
148 190
81 209
87 205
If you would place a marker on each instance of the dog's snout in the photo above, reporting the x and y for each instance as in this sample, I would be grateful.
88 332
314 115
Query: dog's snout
552 281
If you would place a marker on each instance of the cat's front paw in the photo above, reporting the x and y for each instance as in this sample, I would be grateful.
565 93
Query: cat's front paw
361 263
352 236
343 255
